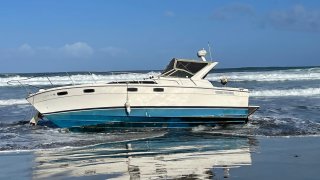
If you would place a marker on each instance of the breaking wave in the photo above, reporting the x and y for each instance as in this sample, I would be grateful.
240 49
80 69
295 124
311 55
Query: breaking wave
77 79
9 102
279 75
288 92
82 78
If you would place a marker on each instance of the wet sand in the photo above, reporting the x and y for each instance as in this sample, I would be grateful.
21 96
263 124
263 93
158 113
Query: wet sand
269 158
283 158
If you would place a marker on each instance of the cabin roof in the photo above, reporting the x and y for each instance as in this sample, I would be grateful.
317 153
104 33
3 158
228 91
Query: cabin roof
183 68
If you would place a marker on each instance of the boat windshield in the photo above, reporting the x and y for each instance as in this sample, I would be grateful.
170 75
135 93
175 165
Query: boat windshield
183 68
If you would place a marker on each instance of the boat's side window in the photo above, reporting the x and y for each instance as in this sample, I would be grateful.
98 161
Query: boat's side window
62 93
158 89
88 90
132 89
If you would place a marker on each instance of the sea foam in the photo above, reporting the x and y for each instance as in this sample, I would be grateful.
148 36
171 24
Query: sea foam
63 79
278 75
9 102
77 79
287 92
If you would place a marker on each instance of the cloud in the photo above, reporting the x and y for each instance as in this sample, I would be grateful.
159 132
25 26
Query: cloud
67 51
78 49
66 57
296 18
26 49
233 11
113 51
169 14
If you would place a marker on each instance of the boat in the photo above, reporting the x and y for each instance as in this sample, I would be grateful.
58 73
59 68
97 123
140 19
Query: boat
178 97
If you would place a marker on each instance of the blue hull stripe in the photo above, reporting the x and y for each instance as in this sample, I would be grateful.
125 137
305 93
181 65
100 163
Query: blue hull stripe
147 116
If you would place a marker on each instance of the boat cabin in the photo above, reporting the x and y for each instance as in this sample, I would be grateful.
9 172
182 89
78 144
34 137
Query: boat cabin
184 68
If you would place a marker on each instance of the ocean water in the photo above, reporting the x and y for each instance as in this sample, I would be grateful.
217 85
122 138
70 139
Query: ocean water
289 100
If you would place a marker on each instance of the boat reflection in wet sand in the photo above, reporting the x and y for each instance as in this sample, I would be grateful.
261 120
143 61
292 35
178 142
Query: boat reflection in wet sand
179 97
189 157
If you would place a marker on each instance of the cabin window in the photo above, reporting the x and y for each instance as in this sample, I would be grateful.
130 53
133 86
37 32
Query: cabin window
132 89
62 93
181 74
88 90
191 67
158 89
183 68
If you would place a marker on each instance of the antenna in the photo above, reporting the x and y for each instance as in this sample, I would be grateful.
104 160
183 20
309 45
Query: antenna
210 51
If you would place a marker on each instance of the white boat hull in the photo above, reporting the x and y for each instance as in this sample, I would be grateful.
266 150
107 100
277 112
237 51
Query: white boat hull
173 107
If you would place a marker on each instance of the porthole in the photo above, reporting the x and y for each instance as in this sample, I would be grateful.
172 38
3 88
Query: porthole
88 90
62 93
132 89
158 89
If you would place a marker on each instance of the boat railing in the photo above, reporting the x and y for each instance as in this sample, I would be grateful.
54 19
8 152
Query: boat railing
34 83
20 82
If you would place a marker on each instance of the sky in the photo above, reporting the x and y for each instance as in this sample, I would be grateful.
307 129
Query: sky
120 35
